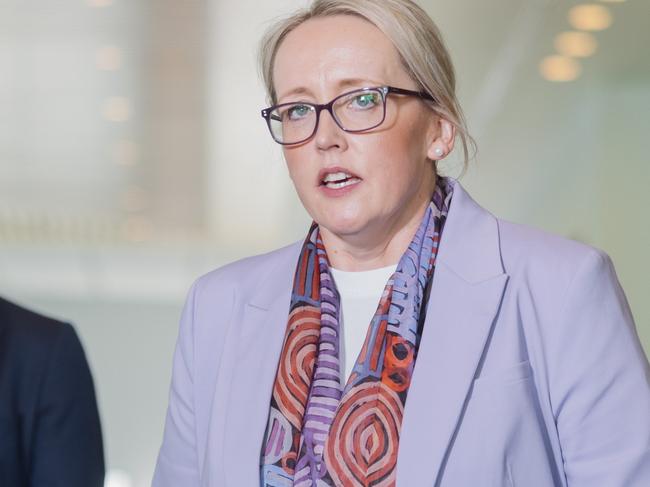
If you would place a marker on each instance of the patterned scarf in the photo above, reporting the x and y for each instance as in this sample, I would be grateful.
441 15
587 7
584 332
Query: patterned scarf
317 434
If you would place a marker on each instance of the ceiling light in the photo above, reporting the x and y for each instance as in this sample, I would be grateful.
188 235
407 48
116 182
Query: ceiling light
576 44
590 17
117 109
559 68
108 58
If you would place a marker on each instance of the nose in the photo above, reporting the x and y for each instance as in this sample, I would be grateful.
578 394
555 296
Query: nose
328 134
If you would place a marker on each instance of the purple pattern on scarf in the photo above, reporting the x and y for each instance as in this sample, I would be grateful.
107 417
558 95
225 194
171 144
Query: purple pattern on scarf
401 316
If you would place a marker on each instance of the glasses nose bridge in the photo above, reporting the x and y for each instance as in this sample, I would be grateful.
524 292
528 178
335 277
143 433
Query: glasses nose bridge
327 107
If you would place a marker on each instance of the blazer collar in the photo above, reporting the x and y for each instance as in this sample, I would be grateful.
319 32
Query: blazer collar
278 283
470 242
466 292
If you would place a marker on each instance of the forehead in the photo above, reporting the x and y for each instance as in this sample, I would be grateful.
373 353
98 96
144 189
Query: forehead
322 52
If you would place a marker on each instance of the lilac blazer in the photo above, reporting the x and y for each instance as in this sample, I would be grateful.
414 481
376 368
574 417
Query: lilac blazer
529 373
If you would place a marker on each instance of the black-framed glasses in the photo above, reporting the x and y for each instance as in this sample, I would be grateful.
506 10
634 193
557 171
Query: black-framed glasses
354 111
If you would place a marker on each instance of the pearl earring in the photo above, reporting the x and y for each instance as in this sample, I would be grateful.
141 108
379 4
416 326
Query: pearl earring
439 151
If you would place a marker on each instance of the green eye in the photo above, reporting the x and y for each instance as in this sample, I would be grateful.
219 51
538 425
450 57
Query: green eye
298 111
367 100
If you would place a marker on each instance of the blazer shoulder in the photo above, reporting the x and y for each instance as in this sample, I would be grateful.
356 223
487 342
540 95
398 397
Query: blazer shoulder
533 252
31 347
247 272
31 331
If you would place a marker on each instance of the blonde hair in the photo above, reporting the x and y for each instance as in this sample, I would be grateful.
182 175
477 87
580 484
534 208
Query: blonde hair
413 33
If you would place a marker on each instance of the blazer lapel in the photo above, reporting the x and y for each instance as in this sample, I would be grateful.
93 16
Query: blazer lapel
259 338
466 292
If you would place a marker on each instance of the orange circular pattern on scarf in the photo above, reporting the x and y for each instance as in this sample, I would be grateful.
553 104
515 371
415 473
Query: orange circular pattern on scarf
298 357
361 449
289 462
398 363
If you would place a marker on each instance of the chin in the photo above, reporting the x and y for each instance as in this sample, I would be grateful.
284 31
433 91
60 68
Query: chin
344 226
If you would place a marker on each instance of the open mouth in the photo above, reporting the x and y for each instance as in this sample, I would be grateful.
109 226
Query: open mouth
337 180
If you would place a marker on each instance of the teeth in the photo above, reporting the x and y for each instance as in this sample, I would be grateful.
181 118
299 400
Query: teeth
336 176
342 184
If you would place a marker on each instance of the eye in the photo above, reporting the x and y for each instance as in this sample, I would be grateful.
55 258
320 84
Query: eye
298 112
365 100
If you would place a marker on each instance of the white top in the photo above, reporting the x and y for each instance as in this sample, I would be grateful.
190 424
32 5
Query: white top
360 293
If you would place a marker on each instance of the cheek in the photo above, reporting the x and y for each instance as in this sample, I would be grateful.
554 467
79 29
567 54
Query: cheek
296 170
396 160
301 174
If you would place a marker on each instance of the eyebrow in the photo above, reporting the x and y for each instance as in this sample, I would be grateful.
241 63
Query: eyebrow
344 83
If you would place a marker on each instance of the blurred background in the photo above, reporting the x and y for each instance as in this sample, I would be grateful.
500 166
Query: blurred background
133 159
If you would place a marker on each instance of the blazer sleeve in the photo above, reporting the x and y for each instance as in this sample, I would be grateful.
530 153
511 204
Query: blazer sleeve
177 463
600 382
67 446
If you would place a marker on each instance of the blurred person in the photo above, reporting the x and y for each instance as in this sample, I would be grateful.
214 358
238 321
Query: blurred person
412 338
50 432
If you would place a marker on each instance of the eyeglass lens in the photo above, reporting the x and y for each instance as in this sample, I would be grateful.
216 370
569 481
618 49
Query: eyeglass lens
356 111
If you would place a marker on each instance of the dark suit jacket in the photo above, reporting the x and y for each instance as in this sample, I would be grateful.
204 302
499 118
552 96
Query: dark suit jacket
50 433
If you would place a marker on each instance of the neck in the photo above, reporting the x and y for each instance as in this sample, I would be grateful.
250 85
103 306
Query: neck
382 245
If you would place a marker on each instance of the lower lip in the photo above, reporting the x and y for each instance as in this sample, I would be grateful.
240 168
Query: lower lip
336 192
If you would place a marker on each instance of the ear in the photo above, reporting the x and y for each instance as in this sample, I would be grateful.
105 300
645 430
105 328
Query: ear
441 137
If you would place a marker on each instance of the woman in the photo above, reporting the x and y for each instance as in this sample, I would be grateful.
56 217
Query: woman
516 349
